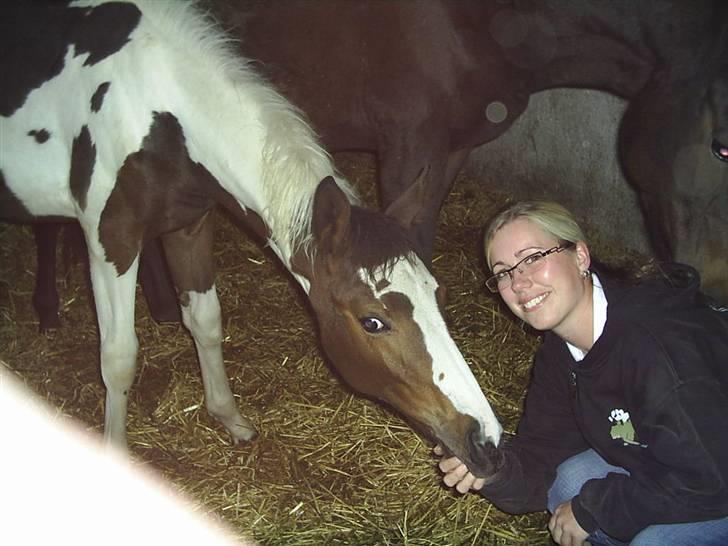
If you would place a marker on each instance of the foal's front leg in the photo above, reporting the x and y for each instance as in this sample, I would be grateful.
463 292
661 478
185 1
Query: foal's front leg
189 253
114 297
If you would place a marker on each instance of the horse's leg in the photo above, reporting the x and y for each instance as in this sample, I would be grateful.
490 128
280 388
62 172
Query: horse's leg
45 295
455 162
156 284
400 163
114 297
190 258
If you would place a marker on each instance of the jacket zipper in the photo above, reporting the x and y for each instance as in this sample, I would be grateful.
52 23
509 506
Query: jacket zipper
573 381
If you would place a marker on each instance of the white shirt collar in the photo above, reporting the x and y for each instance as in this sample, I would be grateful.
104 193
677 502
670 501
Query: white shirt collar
599 310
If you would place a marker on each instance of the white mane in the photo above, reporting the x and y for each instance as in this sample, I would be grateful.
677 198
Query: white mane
293 160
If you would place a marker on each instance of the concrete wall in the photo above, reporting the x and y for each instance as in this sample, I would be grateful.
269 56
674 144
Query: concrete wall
564 148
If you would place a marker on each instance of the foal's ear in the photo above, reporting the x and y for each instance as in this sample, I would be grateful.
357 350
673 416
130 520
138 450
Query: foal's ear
407 207
331 214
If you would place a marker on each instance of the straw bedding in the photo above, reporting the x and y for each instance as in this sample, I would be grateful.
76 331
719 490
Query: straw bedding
329 467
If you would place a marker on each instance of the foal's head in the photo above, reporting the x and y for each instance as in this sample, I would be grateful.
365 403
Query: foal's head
378 308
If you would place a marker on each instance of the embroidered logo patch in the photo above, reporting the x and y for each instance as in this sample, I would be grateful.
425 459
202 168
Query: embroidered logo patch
622 428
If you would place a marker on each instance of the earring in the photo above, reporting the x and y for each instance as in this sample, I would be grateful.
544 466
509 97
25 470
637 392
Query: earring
585 274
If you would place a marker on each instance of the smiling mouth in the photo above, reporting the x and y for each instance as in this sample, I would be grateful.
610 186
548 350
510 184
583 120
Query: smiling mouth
533 303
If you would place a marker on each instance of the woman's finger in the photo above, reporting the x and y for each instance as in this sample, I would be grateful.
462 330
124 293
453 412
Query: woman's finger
450 464
464 485
454 476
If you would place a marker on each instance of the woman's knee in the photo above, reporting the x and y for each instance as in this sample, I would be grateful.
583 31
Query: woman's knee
568 481
573 473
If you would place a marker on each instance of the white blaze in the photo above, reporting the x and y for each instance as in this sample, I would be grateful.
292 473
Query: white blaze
450 372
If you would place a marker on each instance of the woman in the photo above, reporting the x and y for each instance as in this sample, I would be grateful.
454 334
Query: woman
623 436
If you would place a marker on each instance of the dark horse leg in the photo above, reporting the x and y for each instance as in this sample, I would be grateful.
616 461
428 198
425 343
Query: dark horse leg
156 283
45 294
425 143
400 164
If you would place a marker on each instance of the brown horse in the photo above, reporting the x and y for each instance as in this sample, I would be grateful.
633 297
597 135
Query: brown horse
109 120
423 83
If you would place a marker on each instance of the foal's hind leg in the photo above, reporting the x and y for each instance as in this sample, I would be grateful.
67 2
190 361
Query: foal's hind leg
189 253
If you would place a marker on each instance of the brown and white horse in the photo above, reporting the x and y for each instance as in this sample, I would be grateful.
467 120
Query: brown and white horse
136 118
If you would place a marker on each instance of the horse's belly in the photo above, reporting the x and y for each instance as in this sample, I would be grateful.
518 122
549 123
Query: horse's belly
35 176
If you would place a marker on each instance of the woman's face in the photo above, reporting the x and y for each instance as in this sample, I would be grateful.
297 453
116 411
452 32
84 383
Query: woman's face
552 297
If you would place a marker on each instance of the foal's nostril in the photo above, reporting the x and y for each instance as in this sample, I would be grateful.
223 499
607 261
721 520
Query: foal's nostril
479 443
483 452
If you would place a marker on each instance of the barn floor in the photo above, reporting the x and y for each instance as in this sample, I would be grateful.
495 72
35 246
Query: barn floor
329 467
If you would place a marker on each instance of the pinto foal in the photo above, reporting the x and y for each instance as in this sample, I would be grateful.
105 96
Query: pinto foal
136 118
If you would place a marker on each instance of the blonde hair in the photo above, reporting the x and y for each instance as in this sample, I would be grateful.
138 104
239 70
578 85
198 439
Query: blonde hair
549 216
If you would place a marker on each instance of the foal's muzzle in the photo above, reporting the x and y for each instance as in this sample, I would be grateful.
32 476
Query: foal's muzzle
484 454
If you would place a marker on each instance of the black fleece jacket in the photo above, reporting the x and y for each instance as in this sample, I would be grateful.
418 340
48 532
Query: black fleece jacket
651 396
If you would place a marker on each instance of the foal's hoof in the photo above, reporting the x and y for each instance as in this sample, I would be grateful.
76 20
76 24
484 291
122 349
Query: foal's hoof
243 434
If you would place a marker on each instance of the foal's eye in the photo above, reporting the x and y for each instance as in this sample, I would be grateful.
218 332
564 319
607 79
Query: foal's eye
373 325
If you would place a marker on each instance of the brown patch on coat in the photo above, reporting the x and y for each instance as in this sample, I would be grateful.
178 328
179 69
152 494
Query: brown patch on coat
41 136
83 158
97 100
249 218
190 258
159 189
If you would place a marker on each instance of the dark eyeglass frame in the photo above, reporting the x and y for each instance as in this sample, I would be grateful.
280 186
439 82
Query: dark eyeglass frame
491 283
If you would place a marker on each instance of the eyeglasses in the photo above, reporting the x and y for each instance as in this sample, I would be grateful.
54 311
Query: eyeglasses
528 265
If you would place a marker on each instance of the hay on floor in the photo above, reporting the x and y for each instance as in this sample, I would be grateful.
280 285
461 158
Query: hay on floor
329 467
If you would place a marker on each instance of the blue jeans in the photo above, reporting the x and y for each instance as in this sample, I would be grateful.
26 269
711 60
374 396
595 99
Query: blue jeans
574 472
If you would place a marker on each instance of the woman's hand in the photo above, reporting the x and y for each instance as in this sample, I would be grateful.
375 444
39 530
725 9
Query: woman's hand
564 528
456 473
